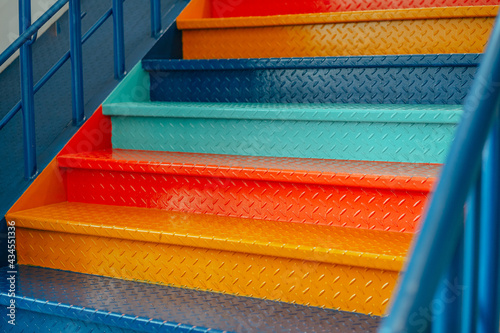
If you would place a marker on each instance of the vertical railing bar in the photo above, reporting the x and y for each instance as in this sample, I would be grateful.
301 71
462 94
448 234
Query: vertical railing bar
489 245
447 303
155 18
75 31
118 39
471 259
27 98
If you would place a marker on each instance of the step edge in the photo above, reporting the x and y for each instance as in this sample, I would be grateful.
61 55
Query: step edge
384 61
437 13
401 183
96 316
445 114
333 256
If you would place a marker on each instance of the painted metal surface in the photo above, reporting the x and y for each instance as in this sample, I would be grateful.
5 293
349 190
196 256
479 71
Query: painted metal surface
488 275
377 79
65 301
79 237
370 195
443 227
439 30
368 133
27 98
242 8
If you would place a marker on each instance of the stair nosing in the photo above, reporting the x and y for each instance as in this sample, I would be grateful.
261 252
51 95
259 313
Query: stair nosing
25 220
359 113
391 182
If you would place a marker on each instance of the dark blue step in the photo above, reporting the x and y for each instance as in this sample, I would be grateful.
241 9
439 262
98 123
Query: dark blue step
59 301
410 79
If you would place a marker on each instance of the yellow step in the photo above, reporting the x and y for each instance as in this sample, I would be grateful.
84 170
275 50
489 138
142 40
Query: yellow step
334 267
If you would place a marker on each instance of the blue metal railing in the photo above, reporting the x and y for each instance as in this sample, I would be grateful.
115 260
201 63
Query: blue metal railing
27 36
451 283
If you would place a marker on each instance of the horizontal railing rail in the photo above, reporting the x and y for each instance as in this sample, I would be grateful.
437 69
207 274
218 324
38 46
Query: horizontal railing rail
27 36
451 283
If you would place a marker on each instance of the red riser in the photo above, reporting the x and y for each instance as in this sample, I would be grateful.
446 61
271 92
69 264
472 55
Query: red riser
205 189
244 8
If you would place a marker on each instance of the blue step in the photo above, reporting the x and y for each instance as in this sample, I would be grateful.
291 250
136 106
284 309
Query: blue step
408 79
59 301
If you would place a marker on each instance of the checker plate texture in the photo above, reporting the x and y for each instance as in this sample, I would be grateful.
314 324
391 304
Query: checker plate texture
383 196
447 30
348 288
344 140
336 245
426 79
231 8
161 308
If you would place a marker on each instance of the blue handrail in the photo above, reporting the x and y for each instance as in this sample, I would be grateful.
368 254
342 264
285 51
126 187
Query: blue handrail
27 35
437 251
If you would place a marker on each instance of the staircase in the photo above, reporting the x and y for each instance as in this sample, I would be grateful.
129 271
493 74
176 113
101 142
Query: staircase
251 174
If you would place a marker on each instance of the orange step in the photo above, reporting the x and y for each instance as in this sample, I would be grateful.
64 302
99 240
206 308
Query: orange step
462 29
370 195
333 267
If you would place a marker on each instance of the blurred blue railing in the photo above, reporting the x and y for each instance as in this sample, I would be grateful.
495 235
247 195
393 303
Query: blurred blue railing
451 283
27 36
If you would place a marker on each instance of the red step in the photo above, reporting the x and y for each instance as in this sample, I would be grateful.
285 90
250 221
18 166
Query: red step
372 195
244 8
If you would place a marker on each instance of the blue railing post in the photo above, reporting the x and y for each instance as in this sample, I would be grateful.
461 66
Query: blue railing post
27 98
118 39
489 244
447 303
75 34
471 259
155 18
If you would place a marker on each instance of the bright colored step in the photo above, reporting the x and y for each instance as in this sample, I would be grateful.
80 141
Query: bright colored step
369 195
392 133
340 268
243 8
384 32
414 79
50 300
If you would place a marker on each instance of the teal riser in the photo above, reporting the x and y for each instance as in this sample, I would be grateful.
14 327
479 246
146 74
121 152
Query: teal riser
398 133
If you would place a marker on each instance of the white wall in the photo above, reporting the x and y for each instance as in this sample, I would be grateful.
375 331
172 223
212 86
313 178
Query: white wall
9 22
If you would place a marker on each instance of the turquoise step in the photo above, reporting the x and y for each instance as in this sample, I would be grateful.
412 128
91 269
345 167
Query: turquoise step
394 133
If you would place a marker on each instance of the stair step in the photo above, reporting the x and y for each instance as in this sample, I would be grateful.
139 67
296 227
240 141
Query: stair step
341 268
393 133
413 79
55 300
245 8
370 195
463 29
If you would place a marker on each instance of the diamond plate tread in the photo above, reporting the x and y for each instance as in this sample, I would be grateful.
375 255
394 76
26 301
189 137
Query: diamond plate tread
336 245
418 142
395 176
307 282
230 8
439 30
154 62
425 79
369 195
194 17
156 308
